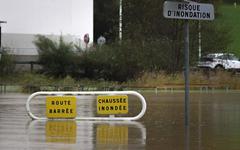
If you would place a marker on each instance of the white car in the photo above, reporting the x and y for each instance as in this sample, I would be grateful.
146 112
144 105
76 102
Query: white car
220 60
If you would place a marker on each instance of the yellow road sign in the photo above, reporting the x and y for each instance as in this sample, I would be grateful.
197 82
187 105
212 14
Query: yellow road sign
61 106
117 104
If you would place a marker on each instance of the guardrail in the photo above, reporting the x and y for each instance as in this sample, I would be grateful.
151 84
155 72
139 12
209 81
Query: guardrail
71 93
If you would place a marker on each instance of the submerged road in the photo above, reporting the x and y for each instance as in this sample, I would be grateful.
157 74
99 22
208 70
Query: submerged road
214 125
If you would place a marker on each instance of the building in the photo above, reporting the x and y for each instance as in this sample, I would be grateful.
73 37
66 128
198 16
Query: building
27 18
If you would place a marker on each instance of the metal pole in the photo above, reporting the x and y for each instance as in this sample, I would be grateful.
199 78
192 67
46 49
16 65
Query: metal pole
186 71
0 37
0 42
120 20
199 41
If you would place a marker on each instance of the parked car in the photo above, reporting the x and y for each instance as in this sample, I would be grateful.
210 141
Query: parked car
220 61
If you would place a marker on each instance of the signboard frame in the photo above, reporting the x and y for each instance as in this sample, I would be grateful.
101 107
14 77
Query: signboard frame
188 10
93 93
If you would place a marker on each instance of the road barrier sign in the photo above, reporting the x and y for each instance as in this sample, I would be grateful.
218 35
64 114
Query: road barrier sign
62 105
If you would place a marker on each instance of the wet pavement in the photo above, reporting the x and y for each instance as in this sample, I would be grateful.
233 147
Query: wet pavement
214 125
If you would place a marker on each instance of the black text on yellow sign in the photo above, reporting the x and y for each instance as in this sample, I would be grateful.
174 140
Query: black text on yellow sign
61 107
61 131
110 105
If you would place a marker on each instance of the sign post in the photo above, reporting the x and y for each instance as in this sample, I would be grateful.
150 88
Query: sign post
186 70
86 40
193 11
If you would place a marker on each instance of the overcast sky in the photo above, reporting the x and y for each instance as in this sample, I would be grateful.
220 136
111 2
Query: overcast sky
73 17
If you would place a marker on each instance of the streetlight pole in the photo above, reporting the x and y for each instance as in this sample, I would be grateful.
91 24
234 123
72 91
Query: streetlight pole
1 37
199 39
120 20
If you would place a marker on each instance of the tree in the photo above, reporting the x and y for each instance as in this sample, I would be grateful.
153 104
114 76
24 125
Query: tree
57 58
106 19
144 24
111 62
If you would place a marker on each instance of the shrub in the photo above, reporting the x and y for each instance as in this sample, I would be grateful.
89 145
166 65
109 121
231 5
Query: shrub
114 62
32 82
6 63
57 58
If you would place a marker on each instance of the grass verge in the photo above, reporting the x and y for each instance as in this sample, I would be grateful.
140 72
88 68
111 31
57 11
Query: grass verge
37 82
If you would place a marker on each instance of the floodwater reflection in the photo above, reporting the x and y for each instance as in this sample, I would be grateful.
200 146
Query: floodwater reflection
214 125
87 134
61 132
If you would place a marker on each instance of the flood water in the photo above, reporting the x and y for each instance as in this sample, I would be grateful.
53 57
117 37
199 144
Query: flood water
214 125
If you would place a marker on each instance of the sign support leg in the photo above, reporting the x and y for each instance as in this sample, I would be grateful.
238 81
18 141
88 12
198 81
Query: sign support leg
186 70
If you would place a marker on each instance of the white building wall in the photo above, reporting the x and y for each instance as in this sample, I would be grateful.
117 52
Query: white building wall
26 18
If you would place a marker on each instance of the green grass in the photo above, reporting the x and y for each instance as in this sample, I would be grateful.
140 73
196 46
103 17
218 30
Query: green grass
230 16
